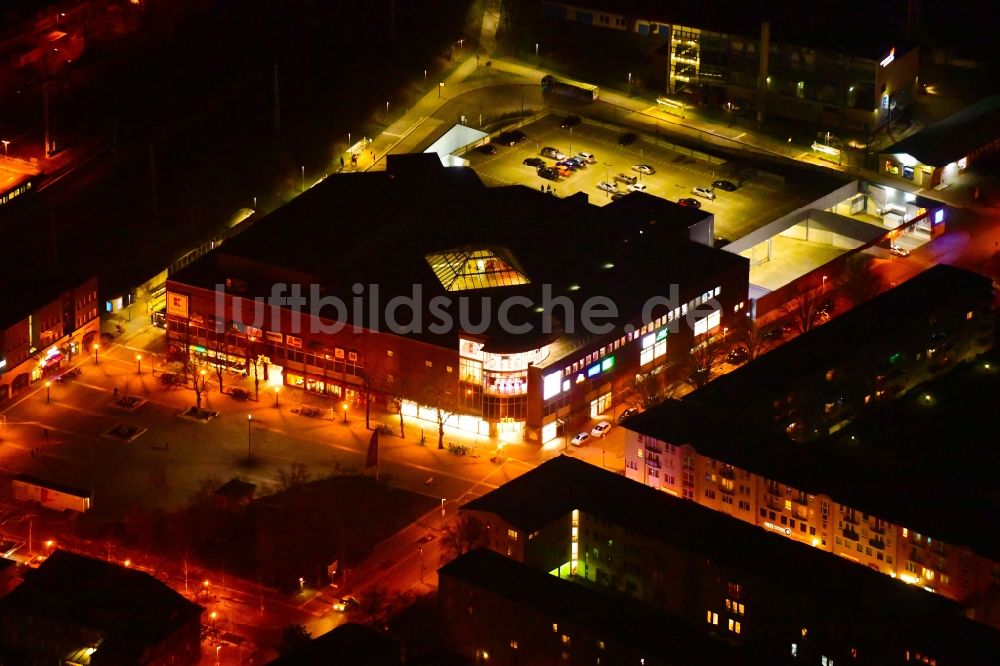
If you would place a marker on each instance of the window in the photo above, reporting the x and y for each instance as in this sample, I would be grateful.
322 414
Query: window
429 364
389 353
555 628
448 368
734 626
512 535
795 650
565 640
711 618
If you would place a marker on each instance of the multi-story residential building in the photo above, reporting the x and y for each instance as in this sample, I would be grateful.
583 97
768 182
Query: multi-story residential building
607 533
849 485
457 301
498 610
714 59
44 324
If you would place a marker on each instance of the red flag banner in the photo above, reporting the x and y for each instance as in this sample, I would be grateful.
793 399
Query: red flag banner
372 459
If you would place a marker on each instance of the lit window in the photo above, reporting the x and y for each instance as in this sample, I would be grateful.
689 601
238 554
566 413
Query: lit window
968 315
448 368
600 645
711 618
429 364
734 626
555 628
513 644
389 353
512 534
565 639
795 650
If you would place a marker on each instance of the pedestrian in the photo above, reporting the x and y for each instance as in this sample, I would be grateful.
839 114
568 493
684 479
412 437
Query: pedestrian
341 162
373 156
543 187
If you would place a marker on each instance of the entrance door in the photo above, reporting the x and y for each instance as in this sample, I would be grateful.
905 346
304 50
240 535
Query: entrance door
601 405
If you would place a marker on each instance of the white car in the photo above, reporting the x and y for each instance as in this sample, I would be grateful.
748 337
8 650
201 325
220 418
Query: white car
644 169
703 192
607 187
601 429
637 187
587 157
580 438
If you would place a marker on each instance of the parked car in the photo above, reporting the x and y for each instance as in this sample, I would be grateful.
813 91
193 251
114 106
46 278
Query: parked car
511 137
601 429
737 355
239 394
637 187
487 149
689 202
625 178
587 157
703 192
580 438
897 251
607 187
627 138
615 196
726 185
549 173
553 153
564 171
644 169
580 164
570 121
536 162
344 604
568 164
631 411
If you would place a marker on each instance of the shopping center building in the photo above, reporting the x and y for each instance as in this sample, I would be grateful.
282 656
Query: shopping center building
498 309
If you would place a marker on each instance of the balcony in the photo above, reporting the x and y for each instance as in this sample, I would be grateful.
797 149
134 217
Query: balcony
877 543
878 529
851 518
727 472
849 533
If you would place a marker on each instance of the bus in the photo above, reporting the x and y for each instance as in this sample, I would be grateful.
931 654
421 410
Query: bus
582 91
50 495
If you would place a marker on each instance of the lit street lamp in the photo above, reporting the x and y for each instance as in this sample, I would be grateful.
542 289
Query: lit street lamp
277 390
249 450
442 506
425 76
5 143
48 392
440 88
421 563
138 364
344 407
96 357
536 49
303 178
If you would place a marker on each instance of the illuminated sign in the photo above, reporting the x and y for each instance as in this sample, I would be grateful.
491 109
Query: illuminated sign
778 528
3 363
939 216
594 370
607 363
551 384
889 58
177 304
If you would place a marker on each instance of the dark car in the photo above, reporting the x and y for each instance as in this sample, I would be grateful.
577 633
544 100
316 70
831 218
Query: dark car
689 202
487 149
737 355
627 138
548 173
511 137
536 162
570 121
615 196
568 164
631 411
726 185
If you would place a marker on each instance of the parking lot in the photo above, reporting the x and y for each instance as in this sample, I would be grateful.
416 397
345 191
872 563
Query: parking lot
758 201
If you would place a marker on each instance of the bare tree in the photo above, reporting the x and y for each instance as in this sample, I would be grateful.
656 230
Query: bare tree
860 282
463 534
703 360
294 476
803 306
650 387
752 339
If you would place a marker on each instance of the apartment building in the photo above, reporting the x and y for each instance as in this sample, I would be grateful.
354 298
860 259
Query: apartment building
748 587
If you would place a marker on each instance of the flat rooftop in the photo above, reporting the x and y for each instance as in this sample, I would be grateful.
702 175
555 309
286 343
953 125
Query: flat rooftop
955 137
552 490
381 228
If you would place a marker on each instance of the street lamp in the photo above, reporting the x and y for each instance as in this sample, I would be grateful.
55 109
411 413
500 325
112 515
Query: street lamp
824 282
421 548
5 143
425 76
536 49
387 107
48 392
442 506
303 177
249 450
138 364
96 358
440 88
344 407
202 373
277 390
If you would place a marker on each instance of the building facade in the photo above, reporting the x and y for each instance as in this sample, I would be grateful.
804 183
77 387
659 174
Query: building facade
36 344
